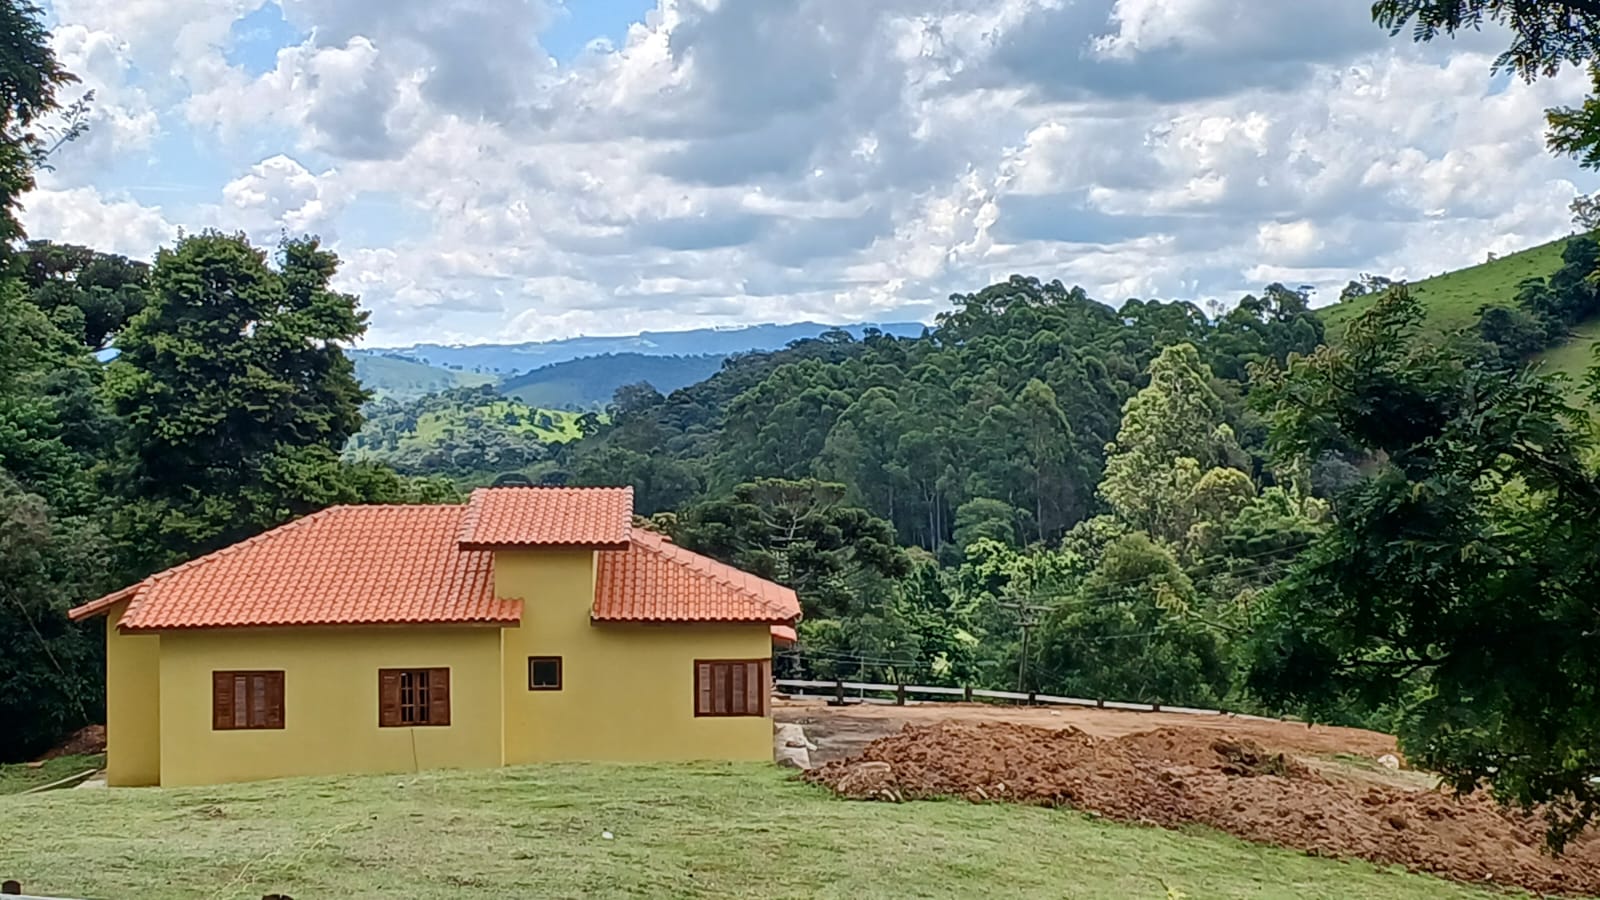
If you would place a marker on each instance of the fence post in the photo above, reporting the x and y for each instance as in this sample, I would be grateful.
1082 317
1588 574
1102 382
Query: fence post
838 691
900 694
966 694
1101 704
1033 698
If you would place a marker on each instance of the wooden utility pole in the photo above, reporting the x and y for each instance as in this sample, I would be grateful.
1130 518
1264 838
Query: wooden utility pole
1027 620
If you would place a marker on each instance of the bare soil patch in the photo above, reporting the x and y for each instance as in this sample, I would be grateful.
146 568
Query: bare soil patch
842 731
1175 776
84 741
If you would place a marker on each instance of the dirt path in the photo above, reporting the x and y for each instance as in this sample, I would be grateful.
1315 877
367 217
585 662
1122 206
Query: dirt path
843 731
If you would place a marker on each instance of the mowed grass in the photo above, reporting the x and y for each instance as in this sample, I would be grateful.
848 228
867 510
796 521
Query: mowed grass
711 830
1454 298
14 779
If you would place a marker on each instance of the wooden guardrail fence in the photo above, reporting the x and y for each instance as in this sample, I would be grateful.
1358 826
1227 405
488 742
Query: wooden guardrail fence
901 692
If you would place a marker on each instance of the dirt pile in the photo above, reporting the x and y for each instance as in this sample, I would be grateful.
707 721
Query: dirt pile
1179 776
91 739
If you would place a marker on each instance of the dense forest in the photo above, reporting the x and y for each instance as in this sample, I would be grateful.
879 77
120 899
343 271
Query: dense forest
1388 525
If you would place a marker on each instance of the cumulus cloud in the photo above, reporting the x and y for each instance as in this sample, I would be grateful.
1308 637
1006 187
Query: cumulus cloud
84 216
739 160
278 195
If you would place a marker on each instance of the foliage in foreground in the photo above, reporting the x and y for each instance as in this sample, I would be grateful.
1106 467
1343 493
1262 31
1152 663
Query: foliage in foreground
1459 578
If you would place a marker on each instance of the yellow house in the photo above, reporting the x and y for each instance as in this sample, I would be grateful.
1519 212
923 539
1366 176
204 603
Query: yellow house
530 624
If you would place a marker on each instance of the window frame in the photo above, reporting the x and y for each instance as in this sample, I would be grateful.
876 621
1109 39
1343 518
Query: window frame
560 673
267 684
434 705
735 677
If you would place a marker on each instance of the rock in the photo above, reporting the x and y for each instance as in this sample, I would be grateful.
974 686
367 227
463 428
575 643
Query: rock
1389 761
788 734
790 746
792 757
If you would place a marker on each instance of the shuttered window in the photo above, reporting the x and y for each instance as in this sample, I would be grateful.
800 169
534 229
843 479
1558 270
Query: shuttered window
409 697
732 687
245 700
544 673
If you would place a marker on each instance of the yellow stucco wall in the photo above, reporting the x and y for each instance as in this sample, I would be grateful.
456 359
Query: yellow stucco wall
330 702
133 705
628 689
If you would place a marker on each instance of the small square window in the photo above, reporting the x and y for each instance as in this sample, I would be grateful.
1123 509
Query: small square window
544 673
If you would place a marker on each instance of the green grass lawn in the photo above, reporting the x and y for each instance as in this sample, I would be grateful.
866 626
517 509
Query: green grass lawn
679 831
15 779
1454 298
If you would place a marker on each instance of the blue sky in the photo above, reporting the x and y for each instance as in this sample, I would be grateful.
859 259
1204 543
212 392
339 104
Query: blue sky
529 169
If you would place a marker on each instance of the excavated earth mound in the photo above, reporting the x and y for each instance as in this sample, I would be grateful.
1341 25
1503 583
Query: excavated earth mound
1179 776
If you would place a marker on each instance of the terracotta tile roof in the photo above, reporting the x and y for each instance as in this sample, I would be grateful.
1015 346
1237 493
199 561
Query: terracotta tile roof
346 565
656 581
784 634
548 517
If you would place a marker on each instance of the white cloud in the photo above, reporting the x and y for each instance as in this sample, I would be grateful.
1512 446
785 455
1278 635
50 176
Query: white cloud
280 195
737 161
84 216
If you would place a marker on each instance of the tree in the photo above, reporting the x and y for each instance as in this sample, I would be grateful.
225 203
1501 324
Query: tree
1457 581
985 518
29 79
1172 435
799 533
87 294
230 363
1124 635
49 668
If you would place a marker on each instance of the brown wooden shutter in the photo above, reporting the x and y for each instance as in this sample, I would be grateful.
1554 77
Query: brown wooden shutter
766 687
752 688
388 698
702 689
221 700
438 696
274 700
739 692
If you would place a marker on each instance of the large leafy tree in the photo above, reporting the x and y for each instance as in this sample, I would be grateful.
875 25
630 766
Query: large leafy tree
804 534
1458 581
87 294
1160 470
231 378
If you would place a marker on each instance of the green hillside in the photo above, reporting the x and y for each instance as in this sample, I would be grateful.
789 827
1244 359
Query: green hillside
404 379
469 433
589 383
1454 298
550 425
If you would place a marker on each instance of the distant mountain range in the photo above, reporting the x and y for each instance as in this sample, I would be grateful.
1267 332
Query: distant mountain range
510 359
582 372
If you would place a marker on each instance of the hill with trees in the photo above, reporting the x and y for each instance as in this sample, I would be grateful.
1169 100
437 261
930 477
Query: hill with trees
398 378
591 381
471 434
